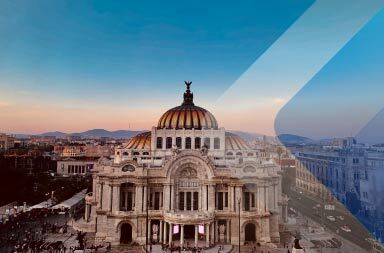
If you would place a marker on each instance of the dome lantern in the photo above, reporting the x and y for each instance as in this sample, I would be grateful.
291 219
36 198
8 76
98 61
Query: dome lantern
187 115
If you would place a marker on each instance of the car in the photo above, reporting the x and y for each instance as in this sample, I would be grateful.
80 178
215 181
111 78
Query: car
331 218
345 228
340 217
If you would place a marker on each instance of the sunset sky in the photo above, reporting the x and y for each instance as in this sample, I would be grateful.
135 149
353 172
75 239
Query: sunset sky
77 65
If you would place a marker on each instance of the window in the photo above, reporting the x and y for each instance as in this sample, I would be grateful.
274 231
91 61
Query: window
207 143
181 202
159 143
216 143
145 153
188 143
229 154
189 201
125 153
197 143
136 153
168 142
178 142
195 200
238 154
250 154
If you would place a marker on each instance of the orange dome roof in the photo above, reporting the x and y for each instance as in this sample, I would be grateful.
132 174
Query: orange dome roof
234 142
140 141
187 115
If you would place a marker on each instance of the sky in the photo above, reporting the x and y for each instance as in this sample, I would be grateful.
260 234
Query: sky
346 97
77 65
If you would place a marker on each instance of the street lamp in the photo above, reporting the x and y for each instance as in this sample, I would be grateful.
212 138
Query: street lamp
146 218
239 204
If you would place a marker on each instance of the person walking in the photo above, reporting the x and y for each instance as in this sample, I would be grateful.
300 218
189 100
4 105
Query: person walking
296 247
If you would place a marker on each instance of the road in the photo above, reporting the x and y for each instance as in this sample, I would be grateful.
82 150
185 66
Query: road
305 204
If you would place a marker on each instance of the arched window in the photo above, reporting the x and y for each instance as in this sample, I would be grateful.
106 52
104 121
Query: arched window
216 143
159 143
178 142
145 153
125 153
197 143
229 154
136 153
169 142
207 143
117 153
250 154
239 154
188 143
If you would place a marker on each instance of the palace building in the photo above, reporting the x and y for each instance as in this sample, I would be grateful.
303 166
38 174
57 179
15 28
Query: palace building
185 181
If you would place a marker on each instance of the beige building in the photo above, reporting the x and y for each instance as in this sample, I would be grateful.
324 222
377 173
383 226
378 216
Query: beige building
187 180
6 141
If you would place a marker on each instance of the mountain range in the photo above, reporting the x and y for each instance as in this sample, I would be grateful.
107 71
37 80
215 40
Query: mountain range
124 134
93 133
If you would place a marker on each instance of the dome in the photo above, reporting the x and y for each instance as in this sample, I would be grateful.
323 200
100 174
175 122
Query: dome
234 142
187 115
140 141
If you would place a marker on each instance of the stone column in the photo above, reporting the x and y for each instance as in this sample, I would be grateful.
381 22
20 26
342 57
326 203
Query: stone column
145 198
161 232
149 230
207 235
196 234
227 232
181 235
265 227
216 233
172 197
259 202
100 202
116 198
203 197
170 233
165 233
230 198
266 199
86 216
139 198
166 197
211 197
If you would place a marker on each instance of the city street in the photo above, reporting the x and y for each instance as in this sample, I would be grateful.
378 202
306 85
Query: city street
305 205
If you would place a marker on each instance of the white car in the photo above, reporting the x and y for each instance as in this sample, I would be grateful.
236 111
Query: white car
345 228
340 217
331 218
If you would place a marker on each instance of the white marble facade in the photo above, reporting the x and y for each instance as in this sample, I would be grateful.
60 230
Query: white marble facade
185 180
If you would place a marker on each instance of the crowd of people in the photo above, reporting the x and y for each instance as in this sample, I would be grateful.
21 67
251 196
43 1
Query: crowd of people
27 231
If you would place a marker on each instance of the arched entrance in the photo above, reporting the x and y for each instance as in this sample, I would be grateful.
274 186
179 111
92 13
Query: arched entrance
189 231
126 233
250 232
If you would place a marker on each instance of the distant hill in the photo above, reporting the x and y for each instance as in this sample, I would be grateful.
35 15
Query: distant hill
293 139
247 136
96 133
124 134
57 134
